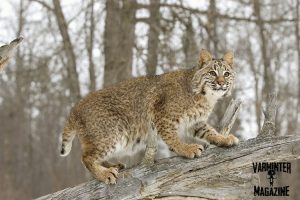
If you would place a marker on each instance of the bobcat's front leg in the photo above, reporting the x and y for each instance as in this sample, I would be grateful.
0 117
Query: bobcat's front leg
168 132
204 131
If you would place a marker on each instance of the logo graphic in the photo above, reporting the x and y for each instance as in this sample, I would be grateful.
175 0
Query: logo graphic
271 169
271 176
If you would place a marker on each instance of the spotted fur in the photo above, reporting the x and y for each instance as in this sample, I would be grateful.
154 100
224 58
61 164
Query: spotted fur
116 121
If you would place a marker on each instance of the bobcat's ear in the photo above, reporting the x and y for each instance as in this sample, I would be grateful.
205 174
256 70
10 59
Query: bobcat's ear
228 57
204 57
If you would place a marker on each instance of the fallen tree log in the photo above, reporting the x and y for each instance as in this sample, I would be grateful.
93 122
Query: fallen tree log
218 174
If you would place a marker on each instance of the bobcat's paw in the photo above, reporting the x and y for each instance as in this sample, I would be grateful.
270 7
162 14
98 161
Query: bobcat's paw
204 143
120 166
232 140
110 175
191 150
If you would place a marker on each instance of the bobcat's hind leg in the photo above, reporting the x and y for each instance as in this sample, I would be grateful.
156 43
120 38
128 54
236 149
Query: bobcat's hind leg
117 165
100 172
94 154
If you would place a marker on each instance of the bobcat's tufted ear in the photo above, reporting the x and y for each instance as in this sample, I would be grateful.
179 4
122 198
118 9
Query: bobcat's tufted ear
204 57
228 57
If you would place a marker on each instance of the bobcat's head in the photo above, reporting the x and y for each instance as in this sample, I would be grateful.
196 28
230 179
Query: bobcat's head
214 76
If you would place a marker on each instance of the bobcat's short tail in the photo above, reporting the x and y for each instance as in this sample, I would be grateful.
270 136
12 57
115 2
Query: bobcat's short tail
68 135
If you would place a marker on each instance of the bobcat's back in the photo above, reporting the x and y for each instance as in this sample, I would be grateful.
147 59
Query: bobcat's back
130 104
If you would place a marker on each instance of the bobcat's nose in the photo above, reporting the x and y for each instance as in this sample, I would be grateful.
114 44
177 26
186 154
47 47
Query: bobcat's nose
220 80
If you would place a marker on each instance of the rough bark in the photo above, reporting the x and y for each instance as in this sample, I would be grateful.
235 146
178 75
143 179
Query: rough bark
118 40
73 80
218 174
6 51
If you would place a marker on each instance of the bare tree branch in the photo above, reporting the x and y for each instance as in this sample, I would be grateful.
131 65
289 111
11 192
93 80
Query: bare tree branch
44 4
219 15
6 51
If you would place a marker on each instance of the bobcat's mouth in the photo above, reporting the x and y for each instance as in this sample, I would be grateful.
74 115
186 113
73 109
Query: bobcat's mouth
220 87
217 88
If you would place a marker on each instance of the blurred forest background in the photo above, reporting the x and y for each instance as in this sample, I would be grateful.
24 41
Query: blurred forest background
73 47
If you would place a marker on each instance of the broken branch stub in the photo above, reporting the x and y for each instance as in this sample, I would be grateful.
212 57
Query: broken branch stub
268 128
6 51
230 116
151 149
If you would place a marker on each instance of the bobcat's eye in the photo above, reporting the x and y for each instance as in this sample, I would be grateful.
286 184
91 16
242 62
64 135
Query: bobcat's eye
226 74
213 73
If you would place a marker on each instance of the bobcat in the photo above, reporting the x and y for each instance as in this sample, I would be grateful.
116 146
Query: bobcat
116 121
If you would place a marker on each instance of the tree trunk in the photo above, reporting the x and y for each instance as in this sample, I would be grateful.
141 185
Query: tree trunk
90 44
268 75
73 80
255 73
189 44
118 40
298 55
212 26
153 37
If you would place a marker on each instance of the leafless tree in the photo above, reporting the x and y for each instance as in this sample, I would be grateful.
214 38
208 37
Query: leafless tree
69 51
118 40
